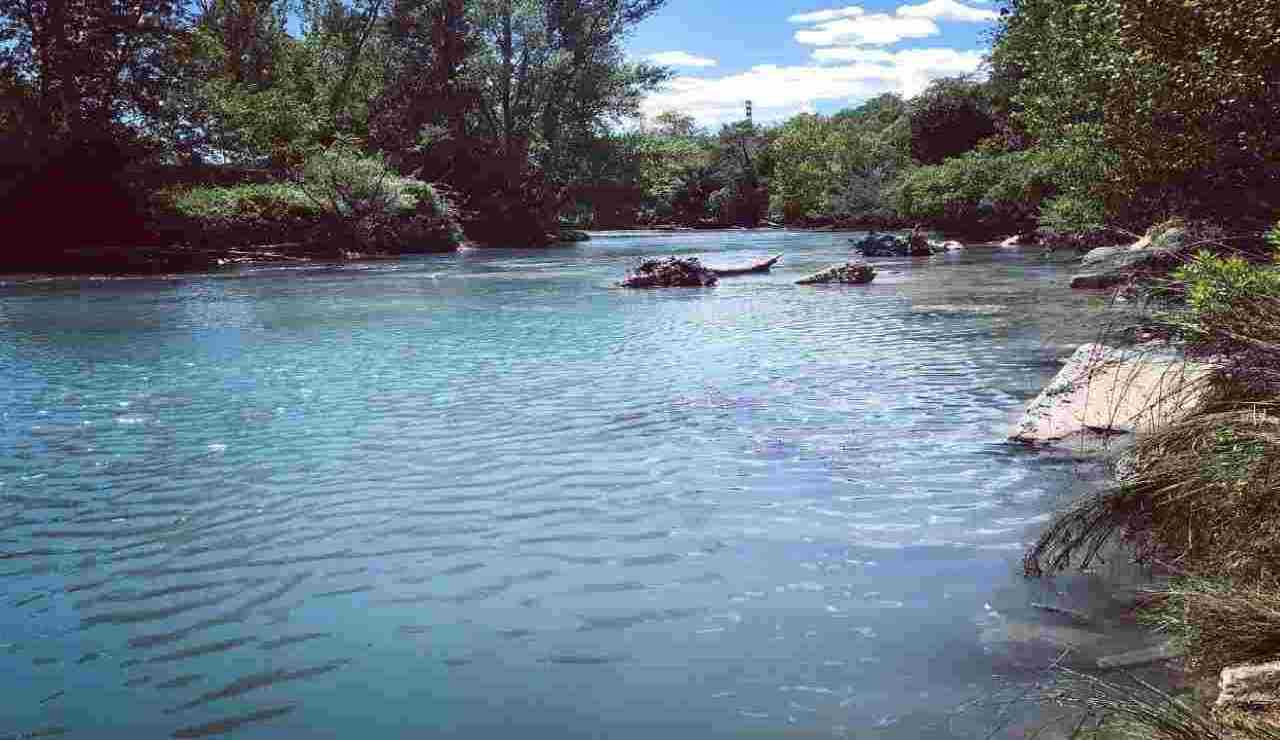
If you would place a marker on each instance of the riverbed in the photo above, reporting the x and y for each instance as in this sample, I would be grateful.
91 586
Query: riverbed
493 495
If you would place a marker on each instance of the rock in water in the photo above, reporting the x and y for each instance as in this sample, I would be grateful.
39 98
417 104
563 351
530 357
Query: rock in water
573 235
1110 390
1164 247
673 272
853 273
893 245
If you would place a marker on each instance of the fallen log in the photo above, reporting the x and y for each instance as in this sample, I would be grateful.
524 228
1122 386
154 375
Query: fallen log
757 267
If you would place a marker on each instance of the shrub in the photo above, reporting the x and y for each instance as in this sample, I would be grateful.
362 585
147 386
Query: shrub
1216 285
372 208
1072 214
241 203
1220 623
981 189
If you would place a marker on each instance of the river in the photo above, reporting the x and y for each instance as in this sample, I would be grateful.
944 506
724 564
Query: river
492 495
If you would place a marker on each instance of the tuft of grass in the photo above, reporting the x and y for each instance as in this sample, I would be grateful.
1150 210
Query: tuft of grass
1129 707
1220 623
1203 494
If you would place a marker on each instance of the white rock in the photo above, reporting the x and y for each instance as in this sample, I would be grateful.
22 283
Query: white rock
1108 390
1250 685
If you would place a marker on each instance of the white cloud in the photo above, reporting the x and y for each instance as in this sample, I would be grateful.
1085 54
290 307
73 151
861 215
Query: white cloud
852 25
877 29
822 16
947 10
681 59
855 54
778 92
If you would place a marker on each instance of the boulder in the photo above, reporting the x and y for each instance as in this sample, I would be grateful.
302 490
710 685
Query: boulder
1107 267
1249 697
852 273
1107 390
1159 251
673 272
573 235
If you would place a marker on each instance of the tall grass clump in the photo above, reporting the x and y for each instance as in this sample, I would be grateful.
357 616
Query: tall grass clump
1129 708
1203 493
1220 622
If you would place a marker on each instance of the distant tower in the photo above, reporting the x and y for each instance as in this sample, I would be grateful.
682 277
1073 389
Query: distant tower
748 111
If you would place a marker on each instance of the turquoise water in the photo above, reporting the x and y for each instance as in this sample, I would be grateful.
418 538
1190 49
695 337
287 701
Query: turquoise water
490 495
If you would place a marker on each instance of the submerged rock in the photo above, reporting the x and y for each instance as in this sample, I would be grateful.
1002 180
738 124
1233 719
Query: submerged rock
673 272
895 245
852 273
1114 391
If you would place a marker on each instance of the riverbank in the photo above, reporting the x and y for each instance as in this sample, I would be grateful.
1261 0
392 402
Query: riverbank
1197 479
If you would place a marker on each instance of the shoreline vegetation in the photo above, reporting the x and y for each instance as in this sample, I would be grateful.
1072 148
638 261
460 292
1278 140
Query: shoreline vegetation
1192 384
242 130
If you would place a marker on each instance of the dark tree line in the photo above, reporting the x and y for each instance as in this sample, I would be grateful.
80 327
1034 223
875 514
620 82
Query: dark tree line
103 101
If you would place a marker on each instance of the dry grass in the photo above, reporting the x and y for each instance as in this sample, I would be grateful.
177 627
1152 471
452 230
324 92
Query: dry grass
1131 708
1203 496
1220 623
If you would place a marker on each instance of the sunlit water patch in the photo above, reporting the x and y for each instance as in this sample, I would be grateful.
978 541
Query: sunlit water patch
492 495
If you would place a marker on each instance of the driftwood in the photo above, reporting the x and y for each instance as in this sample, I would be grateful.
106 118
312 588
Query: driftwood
757 267
673 272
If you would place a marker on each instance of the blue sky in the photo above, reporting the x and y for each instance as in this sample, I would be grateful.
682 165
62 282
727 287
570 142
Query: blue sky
791 56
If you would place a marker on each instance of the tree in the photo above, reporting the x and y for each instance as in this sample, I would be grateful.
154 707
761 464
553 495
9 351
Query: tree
90 70
675 123
871 147
804 170
949 118
1152 107
83 82
529 88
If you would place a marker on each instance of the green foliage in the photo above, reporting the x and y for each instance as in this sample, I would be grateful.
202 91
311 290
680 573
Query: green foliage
839 166
1071 213
1176 98
805 171
371 206
251 202
980 189
948 119
1217 285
